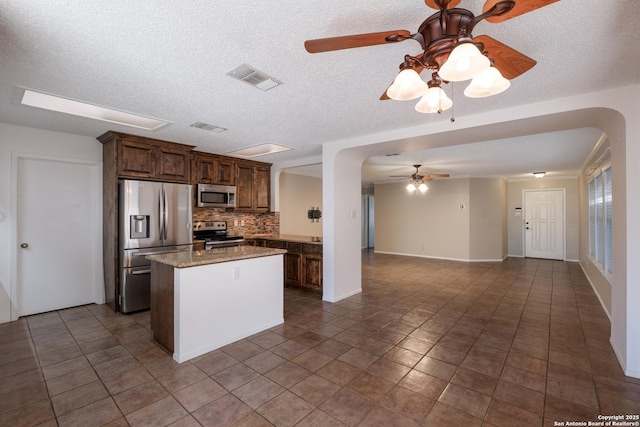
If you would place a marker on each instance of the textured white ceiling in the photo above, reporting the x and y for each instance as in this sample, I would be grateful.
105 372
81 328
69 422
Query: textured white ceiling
169 60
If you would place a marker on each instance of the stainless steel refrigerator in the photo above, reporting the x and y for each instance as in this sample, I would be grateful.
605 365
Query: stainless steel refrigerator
155 217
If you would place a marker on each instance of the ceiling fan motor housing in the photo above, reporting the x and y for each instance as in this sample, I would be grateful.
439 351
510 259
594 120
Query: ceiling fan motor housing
440 33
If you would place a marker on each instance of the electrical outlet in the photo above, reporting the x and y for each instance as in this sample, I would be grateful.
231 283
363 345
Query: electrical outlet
242 222
236 273
235 223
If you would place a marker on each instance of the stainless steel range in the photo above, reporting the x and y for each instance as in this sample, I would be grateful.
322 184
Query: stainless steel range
214 234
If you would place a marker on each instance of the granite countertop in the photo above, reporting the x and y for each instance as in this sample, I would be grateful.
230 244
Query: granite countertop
287 237
213 256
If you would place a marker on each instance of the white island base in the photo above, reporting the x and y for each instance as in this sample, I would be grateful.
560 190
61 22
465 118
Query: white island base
214 304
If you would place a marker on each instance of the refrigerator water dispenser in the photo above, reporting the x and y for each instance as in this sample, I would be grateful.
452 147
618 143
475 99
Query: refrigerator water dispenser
139 226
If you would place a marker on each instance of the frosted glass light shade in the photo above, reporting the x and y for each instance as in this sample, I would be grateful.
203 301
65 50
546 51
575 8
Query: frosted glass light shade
464 63
433 101
488 83
407 85
423 187
411 187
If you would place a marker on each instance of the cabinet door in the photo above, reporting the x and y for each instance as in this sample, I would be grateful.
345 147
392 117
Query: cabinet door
262 188
292 269
172 164
136 159
204 169
225 172
312 272
244 186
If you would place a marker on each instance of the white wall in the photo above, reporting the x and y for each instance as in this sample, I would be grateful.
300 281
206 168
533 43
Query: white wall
298 194
456 219
430 224
486 219
23 140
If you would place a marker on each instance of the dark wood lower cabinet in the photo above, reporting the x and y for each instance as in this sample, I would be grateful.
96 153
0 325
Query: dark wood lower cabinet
292 269
312 272
302 262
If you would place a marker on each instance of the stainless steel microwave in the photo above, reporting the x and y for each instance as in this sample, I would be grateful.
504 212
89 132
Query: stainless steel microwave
216 196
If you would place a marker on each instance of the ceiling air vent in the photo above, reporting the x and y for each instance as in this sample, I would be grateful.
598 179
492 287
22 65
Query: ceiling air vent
205 126
254 77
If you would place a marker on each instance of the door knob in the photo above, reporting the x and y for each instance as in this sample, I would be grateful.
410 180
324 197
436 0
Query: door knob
24 245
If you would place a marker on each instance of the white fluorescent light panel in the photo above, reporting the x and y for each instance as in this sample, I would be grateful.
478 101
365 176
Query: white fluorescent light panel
260 150
82 109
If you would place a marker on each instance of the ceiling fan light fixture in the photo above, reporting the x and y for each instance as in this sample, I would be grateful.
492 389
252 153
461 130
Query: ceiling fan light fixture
434 101
488 83
407 85
423 187
465 62
411 187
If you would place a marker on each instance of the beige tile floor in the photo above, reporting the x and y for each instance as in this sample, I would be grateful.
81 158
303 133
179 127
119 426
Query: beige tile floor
427 342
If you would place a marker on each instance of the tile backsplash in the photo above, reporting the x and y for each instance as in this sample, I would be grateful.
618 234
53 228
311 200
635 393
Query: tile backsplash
254 223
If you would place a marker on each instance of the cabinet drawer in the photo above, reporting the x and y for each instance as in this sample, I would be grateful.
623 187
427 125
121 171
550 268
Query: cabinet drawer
278 244
294 247
312 249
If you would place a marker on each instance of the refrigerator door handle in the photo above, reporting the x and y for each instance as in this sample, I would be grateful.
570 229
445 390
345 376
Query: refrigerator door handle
160 215
166 213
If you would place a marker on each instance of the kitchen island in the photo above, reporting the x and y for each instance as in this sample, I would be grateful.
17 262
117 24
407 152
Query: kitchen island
203 300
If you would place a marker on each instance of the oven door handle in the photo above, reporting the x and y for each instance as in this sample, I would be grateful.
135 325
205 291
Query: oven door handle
145 271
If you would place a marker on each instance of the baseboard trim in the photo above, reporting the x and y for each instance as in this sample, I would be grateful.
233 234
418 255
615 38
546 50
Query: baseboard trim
439 258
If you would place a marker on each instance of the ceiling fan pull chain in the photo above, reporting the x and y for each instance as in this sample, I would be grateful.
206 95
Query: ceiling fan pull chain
453 119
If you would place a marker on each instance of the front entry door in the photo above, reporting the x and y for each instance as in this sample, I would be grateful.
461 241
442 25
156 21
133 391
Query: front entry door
544 224
57 239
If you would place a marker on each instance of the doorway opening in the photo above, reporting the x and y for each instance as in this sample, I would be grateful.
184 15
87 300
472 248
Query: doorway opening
368 221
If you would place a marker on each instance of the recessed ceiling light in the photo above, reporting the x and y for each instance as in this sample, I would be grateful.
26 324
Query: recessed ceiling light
260 150
83 109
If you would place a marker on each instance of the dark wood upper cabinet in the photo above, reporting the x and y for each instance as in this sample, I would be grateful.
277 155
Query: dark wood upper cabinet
203 168
212 169
262 191
172 164
244 186
253 186
137 157
226 171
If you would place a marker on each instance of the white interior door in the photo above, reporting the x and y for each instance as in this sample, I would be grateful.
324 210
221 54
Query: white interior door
544 224
57 259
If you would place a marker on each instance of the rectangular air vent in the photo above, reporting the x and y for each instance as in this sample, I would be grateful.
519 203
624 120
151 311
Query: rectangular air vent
254 77
205 126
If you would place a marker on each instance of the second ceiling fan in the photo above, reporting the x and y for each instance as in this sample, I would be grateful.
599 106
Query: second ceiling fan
449 52
418 180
